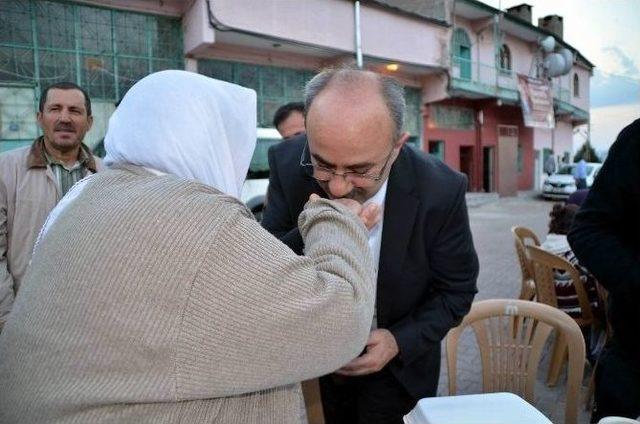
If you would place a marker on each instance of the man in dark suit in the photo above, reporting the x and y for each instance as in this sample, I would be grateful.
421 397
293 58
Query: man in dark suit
354 148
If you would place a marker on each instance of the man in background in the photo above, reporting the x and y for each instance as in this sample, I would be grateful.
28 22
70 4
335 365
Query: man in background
580 174
550 165
33 179
289 120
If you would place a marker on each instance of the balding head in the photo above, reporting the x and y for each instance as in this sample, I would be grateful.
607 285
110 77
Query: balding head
348 82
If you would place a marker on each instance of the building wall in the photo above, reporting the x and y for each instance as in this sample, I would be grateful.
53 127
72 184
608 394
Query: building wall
323 23
560 139
164 7
495 116
521 54
330 24
403 38
584 75
454 133
481 136
197 32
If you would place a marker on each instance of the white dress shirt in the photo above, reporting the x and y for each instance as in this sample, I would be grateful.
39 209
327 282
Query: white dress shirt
375 236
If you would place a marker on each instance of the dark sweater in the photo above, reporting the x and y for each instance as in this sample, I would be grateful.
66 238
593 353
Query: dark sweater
606 235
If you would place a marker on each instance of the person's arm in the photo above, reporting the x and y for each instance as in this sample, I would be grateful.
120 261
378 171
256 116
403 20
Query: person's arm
454 267
6 279
260 316
599 236
276 218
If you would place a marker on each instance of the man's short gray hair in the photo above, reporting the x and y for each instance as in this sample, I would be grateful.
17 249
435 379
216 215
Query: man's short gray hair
391 90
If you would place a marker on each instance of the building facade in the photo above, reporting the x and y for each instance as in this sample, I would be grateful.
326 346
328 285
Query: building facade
478 127
457 60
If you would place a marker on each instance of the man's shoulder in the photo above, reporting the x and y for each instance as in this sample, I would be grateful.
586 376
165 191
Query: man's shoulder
15 154
430 173
290 149
284 157
629 139
14 158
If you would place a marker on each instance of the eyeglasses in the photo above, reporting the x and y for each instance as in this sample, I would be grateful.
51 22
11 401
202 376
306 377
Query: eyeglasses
324 174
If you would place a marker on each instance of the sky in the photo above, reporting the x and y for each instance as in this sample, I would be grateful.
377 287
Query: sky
607 33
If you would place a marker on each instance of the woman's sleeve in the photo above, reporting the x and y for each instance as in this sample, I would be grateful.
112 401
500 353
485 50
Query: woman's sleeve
260 316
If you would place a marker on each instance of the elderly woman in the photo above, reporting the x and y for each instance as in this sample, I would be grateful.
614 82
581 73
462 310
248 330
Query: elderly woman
153 296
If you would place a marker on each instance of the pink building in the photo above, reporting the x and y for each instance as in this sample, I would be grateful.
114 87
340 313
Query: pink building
478 126
458 60
460 65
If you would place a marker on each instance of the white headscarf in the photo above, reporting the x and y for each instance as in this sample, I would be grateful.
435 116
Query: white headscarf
188 125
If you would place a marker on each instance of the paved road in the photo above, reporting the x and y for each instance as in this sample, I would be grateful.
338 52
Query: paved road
500 278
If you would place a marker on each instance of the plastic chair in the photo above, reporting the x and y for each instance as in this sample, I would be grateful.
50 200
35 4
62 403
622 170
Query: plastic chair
511 335
544 263
524 237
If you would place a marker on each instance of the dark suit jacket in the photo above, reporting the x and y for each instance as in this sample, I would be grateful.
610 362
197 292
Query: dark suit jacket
605 236
428 266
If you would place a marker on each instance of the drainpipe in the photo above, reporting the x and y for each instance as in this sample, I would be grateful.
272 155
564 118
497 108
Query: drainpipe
479 156
497 44
358 35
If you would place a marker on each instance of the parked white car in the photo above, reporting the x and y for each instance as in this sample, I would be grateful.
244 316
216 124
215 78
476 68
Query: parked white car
561 184
255 186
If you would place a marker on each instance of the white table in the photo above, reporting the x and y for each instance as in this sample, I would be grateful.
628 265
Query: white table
486 408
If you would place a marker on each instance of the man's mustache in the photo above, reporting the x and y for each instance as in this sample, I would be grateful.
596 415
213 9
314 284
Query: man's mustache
64 127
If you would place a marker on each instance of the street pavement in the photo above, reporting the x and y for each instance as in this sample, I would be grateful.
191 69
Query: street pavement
500 278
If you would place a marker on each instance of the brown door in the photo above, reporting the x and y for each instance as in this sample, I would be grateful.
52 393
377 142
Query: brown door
487 170
466 164
507 160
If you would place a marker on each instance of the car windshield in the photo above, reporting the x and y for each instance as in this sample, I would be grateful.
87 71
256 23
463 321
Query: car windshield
566 170
569 170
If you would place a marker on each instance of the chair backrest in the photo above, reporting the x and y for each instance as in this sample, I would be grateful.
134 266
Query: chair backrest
511 335
544 263
524 237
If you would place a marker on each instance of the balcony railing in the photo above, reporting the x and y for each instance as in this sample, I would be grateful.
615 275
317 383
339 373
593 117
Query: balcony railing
562 94
483 78
479 79
487 79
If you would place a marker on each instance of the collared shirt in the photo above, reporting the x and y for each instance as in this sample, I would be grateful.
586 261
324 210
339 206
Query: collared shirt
581 170
67 176
375 236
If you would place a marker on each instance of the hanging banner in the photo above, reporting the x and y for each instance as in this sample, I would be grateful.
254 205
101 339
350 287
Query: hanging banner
536 100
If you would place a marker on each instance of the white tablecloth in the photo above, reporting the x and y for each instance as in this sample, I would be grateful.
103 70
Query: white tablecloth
486 408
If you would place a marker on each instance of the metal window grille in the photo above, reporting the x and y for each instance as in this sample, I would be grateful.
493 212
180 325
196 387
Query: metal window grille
460 38
103 50
277 86
274 86
505 58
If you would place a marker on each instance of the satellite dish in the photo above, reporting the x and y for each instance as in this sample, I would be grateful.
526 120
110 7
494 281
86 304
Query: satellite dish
548 44
554 64
568 58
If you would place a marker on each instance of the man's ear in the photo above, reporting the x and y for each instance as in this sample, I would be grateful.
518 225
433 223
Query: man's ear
90 122
401 140
39 118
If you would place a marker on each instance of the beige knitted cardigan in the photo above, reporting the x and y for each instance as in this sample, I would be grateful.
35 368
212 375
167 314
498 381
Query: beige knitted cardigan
153 299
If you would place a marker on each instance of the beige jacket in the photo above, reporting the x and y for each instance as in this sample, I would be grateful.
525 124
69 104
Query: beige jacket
173 305
28 192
